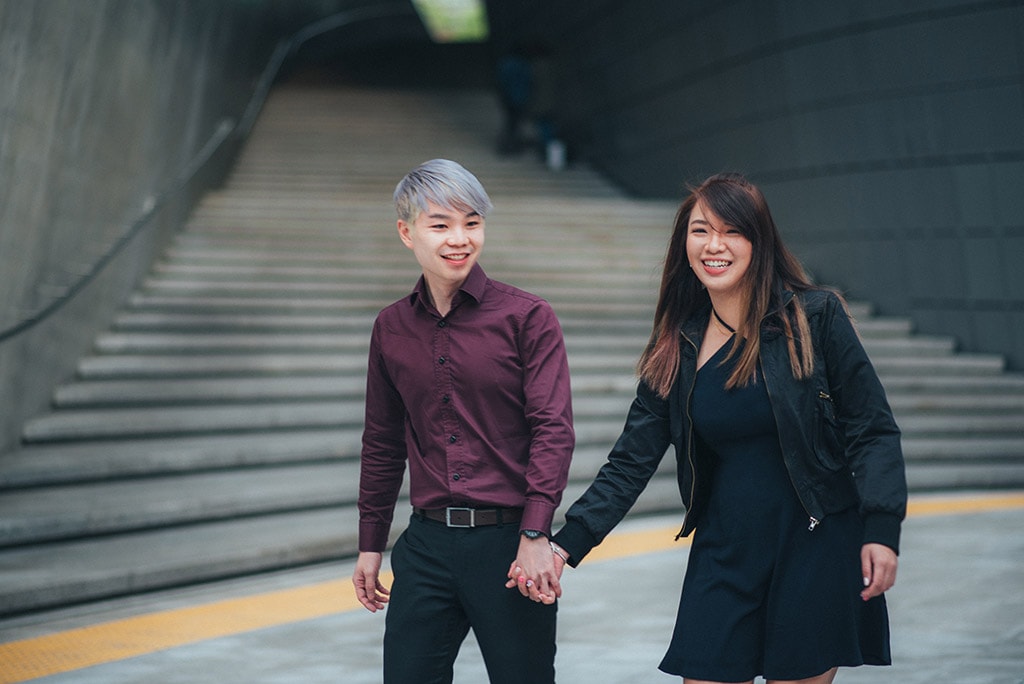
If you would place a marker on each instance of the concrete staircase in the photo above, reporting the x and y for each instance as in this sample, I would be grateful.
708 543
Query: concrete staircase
215 429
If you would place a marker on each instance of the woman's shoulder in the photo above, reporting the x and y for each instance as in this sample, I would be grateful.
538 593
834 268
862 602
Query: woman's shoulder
818 300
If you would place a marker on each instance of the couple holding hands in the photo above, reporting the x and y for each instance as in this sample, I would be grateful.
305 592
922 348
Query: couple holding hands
788 459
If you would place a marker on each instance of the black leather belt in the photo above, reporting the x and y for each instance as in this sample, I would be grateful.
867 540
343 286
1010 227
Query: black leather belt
457 516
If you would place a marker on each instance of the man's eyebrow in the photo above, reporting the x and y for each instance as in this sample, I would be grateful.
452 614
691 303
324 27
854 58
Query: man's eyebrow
438 215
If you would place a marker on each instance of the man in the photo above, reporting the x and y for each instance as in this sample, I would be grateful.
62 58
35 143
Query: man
467 382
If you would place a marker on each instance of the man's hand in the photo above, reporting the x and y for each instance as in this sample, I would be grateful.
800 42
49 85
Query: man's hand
366 578
536 571
878 565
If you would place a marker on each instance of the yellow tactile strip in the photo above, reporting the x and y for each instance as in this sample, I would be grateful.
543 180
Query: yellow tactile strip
75 649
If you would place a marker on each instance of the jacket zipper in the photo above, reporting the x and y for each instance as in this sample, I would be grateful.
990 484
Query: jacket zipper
812 521
689 445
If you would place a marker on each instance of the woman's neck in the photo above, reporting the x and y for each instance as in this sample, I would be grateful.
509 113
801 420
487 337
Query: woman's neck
729 311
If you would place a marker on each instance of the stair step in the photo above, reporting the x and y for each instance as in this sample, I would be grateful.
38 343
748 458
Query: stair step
934 403
186 420
957 364
918 346
58 463
248 390
1006 383
123 366
352 343
162 366
165 421
69 512
52 575
972 450
309 305
964 476
205 391
207 343
185 322
1010 423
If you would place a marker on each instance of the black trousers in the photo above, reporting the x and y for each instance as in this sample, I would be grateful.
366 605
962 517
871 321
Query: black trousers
448 580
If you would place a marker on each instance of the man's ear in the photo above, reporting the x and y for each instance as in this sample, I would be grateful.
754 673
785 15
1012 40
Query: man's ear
404 230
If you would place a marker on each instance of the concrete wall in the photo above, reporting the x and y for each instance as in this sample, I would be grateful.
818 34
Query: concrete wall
103 105
888 136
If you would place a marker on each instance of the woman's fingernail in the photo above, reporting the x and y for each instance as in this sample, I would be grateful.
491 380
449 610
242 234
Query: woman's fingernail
867 581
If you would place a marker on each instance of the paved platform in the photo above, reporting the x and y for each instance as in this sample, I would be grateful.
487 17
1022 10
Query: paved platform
957 615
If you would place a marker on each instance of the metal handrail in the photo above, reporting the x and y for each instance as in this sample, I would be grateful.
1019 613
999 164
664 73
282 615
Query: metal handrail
227 129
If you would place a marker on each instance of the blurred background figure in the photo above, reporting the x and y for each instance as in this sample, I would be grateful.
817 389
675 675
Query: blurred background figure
526 87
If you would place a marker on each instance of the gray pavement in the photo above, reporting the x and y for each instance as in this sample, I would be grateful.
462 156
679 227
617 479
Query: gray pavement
957 615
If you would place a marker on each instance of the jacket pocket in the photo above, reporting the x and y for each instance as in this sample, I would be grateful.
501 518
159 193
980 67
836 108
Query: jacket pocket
829 445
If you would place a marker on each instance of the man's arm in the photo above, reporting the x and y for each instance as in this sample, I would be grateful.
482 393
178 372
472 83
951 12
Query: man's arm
382 468
548 409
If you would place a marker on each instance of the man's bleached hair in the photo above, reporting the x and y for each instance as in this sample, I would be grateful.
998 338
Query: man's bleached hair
446 184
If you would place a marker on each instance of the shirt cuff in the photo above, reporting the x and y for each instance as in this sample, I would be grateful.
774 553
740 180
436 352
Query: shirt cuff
537 515
373 537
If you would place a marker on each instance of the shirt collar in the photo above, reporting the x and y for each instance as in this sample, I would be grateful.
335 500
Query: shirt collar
473 286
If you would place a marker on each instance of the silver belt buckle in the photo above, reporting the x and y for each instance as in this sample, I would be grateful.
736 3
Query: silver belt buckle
448 516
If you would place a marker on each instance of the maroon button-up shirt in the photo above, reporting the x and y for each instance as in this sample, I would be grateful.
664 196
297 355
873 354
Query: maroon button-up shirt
477 402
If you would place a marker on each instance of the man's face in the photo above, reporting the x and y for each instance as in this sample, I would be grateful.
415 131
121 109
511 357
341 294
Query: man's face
446 242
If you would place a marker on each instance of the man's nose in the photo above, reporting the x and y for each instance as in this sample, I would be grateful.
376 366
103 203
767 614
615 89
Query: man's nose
457 235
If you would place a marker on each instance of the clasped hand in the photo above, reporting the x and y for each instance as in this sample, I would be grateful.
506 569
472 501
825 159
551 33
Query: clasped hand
536 571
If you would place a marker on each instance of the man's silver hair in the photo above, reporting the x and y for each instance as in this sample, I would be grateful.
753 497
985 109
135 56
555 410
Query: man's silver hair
443 182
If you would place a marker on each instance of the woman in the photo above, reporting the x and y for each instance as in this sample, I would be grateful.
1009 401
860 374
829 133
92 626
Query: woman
789 461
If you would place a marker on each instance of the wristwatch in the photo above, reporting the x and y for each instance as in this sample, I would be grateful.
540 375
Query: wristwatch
532 534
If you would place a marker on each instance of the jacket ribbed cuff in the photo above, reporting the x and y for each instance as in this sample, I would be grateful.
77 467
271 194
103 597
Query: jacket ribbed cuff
576 540
882 528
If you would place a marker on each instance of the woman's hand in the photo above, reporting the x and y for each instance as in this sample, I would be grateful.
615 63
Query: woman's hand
536 571
878 564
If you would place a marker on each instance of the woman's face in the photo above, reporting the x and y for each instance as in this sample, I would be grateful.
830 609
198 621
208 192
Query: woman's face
718 253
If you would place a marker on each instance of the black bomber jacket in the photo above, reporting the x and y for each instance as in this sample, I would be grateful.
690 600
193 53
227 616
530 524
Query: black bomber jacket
839 441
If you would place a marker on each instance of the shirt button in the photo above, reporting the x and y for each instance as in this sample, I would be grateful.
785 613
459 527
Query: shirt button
441 324
456 477
441 360
453 439
446 398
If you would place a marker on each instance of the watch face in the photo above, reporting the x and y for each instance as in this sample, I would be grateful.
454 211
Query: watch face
532 534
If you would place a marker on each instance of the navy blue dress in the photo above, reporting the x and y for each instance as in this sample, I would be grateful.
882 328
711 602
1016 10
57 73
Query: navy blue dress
763 594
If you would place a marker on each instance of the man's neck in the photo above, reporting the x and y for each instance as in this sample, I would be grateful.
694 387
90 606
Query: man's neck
442 296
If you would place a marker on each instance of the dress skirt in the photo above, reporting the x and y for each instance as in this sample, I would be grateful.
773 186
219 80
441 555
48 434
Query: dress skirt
764 594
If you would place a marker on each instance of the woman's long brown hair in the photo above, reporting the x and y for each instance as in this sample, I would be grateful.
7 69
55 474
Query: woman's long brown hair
773 270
